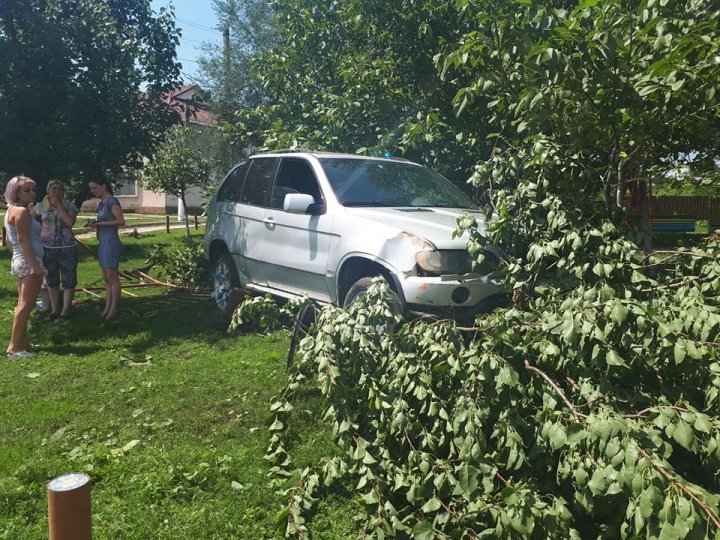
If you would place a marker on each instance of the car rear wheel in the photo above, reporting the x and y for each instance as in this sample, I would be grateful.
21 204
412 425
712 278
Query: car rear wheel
226 285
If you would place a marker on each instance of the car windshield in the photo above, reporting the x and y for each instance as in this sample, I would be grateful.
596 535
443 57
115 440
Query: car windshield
373 182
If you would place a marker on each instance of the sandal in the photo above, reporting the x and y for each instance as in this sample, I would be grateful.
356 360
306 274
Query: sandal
19 354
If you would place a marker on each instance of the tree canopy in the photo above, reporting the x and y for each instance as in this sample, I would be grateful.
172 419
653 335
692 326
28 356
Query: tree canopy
71 75
350 76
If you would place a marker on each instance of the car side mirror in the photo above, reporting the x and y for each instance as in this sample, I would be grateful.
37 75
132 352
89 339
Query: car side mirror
298 203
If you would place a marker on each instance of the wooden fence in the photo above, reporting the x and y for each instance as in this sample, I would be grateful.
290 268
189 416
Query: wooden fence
701 208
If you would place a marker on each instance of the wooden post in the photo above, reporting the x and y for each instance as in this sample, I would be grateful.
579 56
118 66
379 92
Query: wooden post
196 220
69 507
167 224
646 227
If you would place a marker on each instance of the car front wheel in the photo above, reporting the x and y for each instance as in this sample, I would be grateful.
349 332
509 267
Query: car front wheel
361 286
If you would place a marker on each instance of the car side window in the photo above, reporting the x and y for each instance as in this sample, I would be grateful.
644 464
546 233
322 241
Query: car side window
259 181
295 176
232 186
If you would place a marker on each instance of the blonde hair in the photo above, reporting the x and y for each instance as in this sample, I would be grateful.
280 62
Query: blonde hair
52 183
14 185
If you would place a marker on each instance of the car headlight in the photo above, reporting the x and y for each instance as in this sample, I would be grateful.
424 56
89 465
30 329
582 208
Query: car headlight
436 262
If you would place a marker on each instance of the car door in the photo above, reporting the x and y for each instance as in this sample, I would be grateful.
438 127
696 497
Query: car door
252 212
296 246
226 222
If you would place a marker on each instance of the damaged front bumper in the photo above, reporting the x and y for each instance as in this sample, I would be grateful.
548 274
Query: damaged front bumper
453 296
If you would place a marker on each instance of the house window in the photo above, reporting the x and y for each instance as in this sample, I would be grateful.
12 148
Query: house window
127 188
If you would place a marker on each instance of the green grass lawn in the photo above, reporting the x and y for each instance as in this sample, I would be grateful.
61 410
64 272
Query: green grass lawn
166 412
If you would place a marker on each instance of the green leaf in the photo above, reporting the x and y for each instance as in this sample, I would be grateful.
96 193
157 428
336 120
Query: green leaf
551 349
614 359
619 313
679 351
650 499
433 505
683 435
557 436
580 476
423 531
702 423
598 482
468 479
509 496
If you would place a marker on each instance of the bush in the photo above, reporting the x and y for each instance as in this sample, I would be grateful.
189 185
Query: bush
182 263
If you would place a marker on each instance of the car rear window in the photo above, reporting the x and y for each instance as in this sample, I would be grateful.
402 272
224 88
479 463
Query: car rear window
259 181
232 186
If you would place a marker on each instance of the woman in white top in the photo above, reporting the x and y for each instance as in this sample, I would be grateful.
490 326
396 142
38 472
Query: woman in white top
26 264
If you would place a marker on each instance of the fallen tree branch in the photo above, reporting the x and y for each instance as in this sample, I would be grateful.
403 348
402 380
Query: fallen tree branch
708 511
578 416
678 284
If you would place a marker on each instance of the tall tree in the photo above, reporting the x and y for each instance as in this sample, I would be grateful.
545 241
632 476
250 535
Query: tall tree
70 85
226 68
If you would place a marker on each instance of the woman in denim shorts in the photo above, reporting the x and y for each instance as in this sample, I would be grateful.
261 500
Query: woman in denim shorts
26 263
58 217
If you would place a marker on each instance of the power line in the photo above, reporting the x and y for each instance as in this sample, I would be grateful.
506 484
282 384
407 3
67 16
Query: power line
192 40
199 26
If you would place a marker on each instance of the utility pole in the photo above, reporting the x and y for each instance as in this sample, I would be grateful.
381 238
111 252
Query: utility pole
226 69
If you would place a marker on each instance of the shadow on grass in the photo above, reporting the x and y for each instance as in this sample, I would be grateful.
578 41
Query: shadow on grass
141 323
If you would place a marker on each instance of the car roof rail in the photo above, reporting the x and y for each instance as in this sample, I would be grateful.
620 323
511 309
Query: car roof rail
290 150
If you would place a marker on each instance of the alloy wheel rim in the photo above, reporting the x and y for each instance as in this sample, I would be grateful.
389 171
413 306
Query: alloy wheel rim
221 285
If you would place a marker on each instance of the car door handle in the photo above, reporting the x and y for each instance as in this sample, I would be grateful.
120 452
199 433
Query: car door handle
269 220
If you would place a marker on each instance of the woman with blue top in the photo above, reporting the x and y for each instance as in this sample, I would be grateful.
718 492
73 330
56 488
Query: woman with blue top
58 217
109 218
26 263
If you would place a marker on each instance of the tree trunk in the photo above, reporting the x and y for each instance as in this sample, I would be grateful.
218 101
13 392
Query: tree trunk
181 200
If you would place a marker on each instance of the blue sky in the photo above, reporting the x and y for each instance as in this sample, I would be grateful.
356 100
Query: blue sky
198 22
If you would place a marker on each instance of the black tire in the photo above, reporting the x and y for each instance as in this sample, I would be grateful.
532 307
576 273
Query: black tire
304 320
361 286
226 285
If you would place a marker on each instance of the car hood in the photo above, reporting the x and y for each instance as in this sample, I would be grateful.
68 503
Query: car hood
433 224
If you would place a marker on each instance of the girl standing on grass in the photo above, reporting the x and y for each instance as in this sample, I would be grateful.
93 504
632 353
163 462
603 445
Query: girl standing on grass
109 218
26 263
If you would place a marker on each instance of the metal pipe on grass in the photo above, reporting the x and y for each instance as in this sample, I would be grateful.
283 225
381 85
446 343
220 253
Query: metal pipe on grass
69 507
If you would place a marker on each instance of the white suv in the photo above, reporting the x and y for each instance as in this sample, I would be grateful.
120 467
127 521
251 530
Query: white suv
318 224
